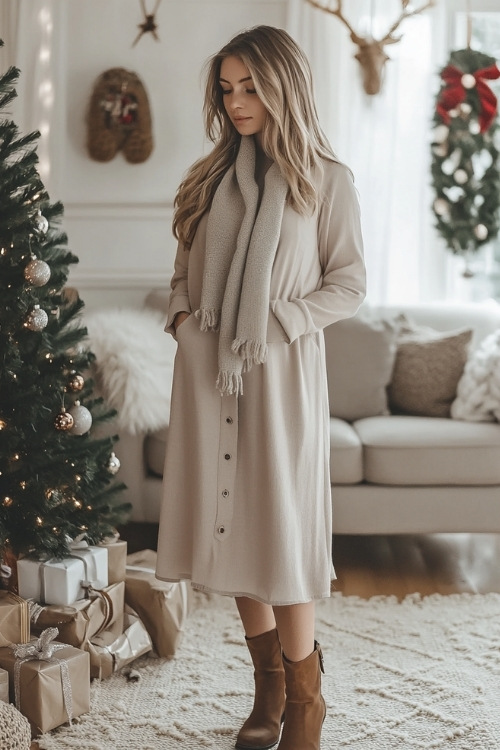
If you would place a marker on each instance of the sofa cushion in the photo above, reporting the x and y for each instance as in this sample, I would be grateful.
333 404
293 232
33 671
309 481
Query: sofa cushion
154 451
346 453
427 369
360 354
420 451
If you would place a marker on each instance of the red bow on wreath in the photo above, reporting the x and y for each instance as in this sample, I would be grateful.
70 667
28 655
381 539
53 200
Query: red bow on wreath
457 84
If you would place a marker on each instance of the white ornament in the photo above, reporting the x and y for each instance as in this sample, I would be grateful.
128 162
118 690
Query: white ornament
481 232
465 108
441 207
461 176
37 319
452 162
481 161
475 127
468 81
37 272
113 464
440 134
454 193
82 419
479 200
453 112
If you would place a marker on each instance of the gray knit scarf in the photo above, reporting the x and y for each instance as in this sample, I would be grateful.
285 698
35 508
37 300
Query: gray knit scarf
241 242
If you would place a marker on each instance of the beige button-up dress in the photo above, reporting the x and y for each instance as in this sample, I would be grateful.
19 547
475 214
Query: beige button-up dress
247 505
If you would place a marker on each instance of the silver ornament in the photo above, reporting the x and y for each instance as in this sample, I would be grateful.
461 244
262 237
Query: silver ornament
40 224
37 272
113 464
37 319
460 176
82 419
481 231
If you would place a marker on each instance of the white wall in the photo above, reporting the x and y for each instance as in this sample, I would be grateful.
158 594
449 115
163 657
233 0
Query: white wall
117 215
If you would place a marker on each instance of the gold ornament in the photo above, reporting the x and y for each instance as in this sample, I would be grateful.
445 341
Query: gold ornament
37 319
64 421
76 383
37 272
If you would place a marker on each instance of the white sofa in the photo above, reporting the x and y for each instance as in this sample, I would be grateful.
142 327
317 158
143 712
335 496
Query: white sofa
390 473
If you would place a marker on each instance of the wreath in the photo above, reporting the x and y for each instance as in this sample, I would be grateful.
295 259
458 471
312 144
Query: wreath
465 153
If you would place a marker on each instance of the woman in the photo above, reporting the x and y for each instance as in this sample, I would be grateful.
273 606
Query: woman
270 253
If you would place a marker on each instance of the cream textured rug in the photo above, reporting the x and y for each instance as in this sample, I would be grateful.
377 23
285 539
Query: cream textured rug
424 673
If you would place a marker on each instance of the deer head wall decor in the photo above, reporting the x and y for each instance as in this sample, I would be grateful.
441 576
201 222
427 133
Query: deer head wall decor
371 55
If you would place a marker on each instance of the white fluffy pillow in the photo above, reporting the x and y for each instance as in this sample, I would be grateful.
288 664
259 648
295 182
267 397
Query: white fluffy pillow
478 390
134 365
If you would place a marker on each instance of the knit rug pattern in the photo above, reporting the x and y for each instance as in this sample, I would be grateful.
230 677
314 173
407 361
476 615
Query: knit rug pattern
422 673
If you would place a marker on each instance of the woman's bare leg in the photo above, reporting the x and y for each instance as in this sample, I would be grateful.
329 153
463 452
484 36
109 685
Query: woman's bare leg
295 623
257 618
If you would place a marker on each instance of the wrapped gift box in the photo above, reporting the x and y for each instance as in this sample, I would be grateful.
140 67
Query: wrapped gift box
60 581
163 607
117 559
4 685
85 618
41 687
111 650
14 619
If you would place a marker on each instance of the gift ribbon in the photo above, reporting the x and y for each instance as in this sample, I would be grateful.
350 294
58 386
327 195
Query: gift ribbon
455 93
43 649
88 581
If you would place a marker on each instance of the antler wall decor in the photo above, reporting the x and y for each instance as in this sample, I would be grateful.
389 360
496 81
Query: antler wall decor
371 55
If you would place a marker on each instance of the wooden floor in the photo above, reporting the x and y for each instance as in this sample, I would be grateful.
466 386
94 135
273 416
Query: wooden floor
398 565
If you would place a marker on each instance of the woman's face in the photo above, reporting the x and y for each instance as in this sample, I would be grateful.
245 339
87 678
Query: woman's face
245 109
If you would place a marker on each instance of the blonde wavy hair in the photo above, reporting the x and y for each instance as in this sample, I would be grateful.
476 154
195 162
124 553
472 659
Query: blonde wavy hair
292 136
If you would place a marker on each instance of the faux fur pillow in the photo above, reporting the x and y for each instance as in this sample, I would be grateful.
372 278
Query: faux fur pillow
427 369
478 391
134 365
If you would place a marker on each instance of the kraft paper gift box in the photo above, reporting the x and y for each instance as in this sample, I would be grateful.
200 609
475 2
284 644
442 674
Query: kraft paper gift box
60 581
41 697
85 618
117 559
4 685
111 650
14 619
163 607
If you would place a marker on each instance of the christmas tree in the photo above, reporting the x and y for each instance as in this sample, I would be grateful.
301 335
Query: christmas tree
465 153
56 478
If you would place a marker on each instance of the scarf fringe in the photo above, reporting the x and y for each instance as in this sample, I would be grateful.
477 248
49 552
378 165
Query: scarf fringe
252 352
230 383
209 319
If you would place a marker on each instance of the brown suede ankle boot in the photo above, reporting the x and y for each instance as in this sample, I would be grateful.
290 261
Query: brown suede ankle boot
262 728
305 708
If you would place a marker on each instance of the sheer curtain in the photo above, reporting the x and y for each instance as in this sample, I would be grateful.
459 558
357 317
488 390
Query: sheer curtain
383 138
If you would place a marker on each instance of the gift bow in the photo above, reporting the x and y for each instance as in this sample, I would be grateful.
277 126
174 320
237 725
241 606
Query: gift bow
43 649
455 93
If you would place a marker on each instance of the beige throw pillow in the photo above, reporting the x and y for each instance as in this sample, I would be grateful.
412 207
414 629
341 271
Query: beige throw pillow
360 354
427 369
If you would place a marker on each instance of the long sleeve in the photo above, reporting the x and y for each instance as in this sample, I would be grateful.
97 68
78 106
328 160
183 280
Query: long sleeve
179 297
340 248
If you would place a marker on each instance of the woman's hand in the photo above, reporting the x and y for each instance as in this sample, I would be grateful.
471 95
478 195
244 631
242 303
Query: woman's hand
179 319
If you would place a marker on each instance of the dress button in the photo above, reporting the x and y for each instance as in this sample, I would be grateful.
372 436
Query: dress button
227 456
225 493
229 420
221 530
